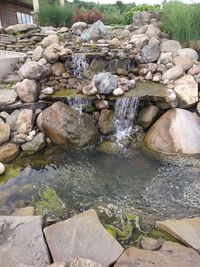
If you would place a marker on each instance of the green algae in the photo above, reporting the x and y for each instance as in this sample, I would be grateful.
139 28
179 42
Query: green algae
68 93
12 171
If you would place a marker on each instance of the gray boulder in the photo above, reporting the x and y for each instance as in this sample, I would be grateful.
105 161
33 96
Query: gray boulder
170 46
77 233
22 242
97 31
151 52
31 70
65 125
105 82
173 73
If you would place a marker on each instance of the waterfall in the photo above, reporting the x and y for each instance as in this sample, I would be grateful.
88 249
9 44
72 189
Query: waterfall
125 113
79 104
80 65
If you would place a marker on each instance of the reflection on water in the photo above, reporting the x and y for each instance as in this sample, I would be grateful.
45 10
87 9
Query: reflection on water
88 178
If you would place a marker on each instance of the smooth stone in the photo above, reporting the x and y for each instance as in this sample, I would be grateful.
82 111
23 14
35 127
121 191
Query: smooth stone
22 242
176 131
151 244
147 116
105 122
37 53
4 132
47 91
31 70
186 89
2 168
58 264
27 211
81 262
171 254
165 58
189 53
118 92
105 82
186 230
173 73
78 27
36 144
151 52
27 90
8 151
18 28
25 121
78 231
170 46
7 96
185 62
50 39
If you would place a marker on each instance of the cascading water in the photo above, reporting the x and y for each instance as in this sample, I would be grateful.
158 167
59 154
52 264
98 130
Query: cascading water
79 104
125 113
80 65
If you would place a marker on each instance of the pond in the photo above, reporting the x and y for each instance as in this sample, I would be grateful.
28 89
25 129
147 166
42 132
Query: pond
76 180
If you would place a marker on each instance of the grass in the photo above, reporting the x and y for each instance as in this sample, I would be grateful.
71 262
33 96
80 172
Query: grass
55 15
182 21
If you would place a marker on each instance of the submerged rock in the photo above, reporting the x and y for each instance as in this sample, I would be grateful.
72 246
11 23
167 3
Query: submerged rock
177 131
78 231
65 125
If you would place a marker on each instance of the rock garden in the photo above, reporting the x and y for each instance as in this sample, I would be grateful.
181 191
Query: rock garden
87 113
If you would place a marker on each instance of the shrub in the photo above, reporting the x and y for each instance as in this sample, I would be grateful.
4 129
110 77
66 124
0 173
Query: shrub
181 21
112 15
55 15
88 16
128 16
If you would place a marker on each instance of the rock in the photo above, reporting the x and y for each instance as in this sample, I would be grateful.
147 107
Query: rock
86 229
153 31
165 58
58 264
36 144
151 52
18 28
12 118
64 125
147 116
173 73
89 90
139 40
27 211
19 230
81 262
7 97
102 104
52 53
185 62
186 230
118 92
144 18
31 70
2 168
195 70
8 151
177 131
49 40
4 132
37 53
105 82
151 244
47 91
106 124
189 53
63 30
186 89
170 46
58 69
4 115
24 121
95 32
157 77
198 108
171 254
31 135
27 90
79 27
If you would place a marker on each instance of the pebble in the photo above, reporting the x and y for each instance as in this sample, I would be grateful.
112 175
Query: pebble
2 168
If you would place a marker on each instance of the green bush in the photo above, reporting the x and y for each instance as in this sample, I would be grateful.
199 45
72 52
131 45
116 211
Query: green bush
181 21
112 15
128 15
56 15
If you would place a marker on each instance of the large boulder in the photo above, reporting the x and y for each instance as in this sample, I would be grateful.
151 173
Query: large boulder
27 90
106 123
151 52
22 242
83 236
65 125
37 53
139 40
153 30
79 27
49 40
144 18
105 82
185 62
177 131
31 70
4 132
7 97
186 89
170 46
18 28
147 116
97 31
189 53
173 73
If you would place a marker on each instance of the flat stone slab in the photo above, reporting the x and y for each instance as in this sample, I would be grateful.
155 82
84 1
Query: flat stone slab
82 235
7 96
170 255
22 243
185 230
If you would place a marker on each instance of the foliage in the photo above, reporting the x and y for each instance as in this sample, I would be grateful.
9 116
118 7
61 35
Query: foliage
112 14
181 21
88 16
55 15
128 16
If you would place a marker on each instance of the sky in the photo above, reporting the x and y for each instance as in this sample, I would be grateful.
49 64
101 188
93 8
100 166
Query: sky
138 2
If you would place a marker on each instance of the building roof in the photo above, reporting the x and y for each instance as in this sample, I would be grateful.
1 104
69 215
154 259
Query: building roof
23 3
